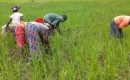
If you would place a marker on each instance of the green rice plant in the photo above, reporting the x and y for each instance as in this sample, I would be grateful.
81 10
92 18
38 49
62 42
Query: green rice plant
84 51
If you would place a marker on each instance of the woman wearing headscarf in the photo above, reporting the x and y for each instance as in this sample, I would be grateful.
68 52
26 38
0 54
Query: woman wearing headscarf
36 32
15 19
20 36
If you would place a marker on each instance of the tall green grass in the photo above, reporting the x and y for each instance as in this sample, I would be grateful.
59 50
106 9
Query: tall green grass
84 52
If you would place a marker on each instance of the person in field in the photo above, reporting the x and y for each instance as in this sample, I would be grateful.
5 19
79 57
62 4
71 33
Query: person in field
20 36
117 24
35 33
54 21
15 18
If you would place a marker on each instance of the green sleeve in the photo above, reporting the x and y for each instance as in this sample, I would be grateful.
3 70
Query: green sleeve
56 23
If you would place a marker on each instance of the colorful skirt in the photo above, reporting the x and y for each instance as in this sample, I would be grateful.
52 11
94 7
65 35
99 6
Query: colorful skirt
32 38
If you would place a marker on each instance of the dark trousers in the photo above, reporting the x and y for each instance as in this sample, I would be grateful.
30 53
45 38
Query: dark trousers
115 31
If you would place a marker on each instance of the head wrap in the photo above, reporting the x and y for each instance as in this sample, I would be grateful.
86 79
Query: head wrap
14 8
40 20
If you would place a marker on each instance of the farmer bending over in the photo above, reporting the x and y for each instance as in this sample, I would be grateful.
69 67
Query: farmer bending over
35 32
54 20
117 24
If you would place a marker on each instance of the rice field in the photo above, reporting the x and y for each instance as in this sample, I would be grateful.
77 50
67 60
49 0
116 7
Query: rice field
84 51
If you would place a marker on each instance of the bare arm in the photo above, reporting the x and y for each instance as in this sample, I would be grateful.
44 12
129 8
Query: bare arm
123 24
46 41
21 18
8 23
44 38
58 29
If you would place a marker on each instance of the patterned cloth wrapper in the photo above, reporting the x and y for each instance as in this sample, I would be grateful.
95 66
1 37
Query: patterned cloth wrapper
31 32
